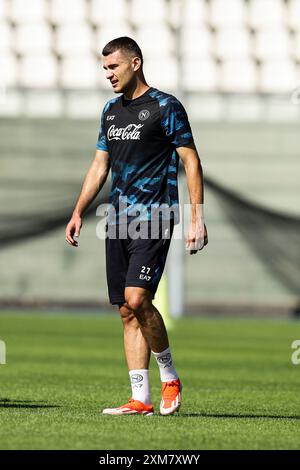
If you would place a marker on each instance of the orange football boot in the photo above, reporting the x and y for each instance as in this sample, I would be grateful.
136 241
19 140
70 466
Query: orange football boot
171 397
133 407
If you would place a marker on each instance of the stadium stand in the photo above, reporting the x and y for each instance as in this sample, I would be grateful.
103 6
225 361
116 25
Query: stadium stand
32 39
267 14
224 14
199 75
197 43
22 12
67 11
293 13
6 38
192 13
143 12
101 16
235 64
74 39
38 71
252 39
238 76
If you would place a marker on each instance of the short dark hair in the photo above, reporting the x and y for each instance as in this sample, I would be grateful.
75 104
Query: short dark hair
125 44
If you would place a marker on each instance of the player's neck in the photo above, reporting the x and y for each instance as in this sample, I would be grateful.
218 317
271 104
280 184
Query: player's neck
139 89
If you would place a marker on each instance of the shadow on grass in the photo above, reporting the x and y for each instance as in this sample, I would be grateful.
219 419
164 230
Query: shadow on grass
7 403
237 416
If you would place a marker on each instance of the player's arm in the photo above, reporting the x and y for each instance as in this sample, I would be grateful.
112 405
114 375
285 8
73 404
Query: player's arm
93 182
197 234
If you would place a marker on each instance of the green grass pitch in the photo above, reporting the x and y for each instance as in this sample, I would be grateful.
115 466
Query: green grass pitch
241 390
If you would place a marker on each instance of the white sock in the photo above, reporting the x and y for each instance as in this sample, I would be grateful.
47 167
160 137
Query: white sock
140 387
166 367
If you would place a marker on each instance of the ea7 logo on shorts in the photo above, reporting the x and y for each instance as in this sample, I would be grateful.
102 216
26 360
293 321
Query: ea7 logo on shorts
145 271
144 114
110 118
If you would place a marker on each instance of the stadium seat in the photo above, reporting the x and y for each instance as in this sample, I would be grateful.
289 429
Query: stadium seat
38 71
162 73
296 47
232 44
67 11
74 39
199 75
28 11
227 13
267 14
3 10
174 13
33 38
196 42
272 44
8 70
104 35
79 72
164 43
143 12
101 15
192 13
278 77
294 14
238 76
6 37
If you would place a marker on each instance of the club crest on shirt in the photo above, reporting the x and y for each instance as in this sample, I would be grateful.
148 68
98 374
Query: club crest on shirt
144 114
130 132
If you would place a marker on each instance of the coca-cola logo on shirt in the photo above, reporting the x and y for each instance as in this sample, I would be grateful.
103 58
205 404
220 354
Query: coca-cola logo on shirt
130 132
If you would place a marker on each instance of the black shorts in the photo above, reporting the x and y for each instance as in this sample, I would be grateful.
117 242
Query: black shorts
136 262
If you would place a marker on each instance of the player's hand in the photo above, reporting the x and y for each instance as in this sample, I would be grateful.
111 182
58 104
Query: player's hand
197 237
73 230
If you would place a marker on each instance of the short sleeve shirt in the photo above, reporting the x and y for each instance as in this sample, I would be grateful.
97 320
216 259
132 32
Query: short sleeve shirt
141 137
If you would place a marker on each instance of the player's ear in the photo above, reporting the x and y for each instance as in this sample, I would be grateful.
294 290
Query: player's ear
136 63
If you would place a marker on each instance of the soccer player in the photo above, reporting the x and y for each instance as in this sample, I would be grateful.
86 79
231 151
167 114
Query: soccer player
143 133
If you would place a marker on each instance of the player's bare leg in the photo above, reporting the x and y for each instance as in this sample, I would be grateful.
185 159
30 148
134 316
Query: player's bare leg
144 330
139 301
137 354
150 321
137 351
